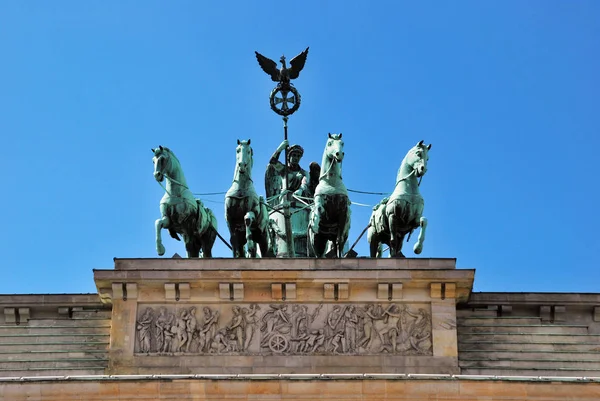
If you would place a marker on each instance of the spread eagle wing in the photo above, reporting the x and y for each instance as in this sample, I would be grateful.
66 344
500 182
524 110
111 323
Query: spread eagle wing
268 66
297 64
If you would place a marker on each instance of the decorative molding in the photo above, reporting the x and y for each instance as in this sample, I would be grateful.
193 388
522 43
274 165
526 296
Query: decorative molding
10 315
389 291
436 290
336 291
283 291
231 291
124 291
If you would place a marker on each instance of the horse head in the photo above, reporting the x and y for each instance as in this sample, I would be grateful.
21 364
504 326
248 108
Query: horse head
335 147
162 162
243 157
417 158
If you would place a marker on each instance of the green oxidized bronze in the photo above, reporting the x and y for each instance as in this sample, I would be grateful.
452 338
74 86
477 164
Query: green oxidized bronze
245 211
181 212
401 212
288 94
330 215
301 187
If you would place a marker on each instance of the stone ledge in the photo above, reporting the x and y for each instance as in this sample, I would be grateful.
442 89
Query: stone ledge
20 300
302 377
284 264
534 298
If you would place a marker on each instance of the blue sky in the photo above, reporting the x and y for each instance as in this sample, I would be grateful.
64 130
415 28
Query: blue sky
507 92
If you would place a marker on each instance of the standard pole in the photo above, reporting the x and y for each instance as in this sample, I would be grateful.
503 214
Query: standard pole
289 237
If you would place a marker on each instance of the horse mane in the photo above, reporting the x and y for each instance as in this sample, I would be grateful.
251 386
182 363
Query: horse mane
171 154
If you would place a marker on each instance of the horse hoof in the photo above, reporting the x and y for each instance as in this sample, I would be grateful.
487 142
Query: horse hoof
160 249
418 249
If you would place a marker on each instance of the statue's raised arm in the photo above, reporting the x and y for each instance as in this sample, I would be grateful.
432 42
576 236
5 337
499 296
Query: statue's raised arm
275 173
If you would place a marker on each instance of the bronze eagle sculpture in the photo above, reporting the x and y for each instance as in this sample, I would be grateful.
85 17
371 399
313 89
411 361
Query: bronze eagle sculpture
285 74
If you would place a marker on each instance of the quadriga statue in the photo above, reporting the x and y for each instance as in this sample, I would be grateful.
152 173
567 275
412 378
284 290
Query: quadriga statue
401 212
181 212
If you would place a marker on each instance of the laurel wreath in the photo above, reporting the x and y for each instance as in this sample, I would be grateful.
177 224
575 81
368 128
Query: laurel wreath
289 111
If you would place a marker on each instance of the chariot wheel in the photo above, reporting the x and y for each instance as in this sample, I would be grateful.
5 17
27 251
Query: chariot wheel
278 343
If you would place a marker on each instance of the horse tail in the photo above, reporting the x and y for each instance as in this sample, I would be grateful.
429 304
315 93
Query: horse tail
211 218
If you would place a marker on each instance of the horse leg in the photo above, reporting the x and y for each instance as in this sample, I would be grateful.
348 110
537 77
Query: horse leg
320 242
418 248
392 221
263 244
207 241
374 244
192 245
249 219
343 238
161 223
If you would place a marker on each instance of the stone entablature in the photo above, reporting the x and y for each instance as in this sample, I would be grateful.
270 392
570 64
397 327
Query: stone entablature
292 315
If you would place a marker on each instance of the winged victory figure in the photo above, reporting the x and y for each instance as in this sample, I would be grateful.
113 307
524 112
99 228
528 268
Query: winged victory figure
285 74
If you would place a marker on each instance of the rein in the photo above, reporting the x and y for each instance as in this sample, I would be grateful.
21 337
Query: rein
333 161
174 181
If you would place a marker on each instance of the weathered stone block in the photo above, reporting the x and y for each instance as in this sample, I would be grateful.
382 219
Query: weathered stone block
383 290
10 315
545 313
343 291
329 291
277 290
436 290
224 292
559 313
170 291
238 291
290 291
389 291
596 314
450 290
184 291
23 315
124 291
132 291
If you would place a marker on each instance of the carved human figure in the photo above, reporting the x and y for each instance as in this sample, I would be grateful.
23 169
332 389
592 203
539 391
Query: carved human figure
336 343
169 333
209 326
251 321
420 337
181 330
303 320
160 326
144 328
335 325
236 328
369 330
319 341
350 328
191 324
219 343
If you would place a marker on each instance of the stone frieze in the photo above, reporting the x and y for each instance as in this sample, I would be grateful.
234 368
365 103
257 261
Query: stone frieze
284 329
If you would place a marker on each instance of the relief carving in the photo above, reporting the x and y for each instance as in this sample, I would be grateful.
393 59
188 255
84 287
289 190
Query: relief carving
286 329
